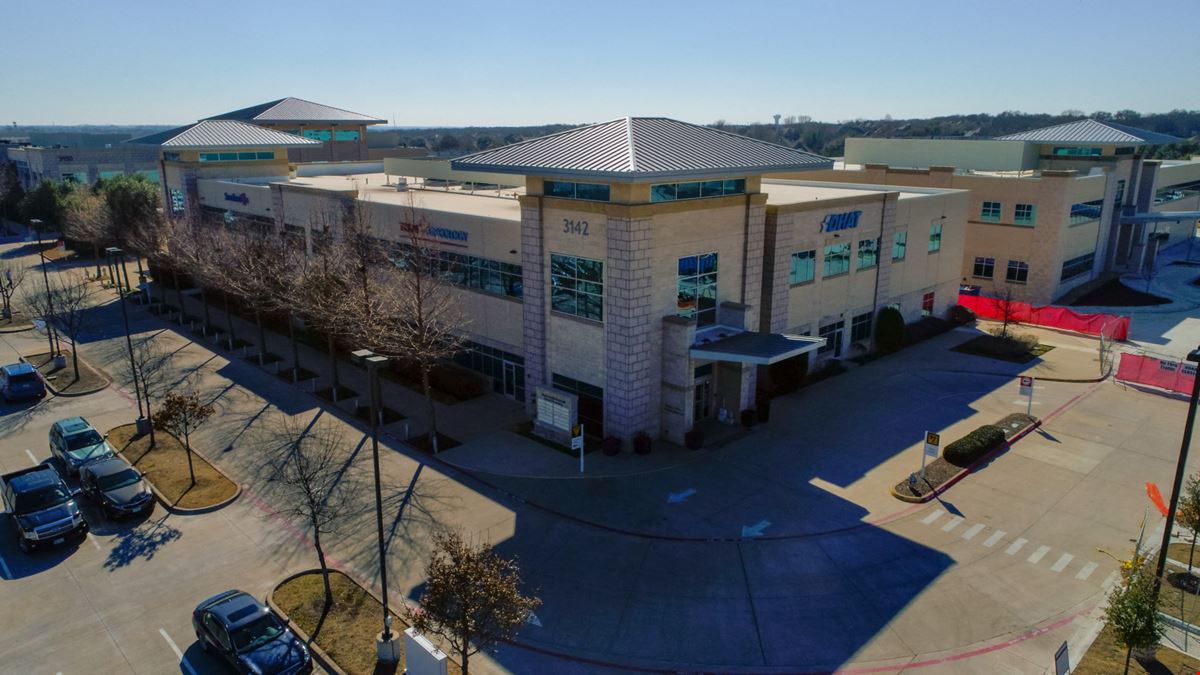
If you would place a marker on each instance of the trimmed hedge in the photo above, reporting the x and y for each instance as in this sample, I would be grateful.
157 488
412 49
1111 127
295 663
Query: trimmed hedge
889 330
974 445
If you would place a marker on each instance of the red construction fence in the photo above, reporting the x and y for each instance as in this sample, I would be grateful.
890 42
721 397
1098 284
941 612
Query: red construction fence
1109 325
1177 376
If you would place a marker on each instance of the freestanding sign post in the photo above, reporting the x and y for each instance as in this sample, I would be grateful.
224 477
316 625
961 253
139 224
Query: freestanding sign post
1027 390
932 441
577 443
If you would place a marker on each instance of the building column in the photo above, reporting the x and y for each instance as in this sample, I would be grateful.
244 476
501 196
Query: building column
752 264
737 383
777 256
883 268
678 377
533 292
632 359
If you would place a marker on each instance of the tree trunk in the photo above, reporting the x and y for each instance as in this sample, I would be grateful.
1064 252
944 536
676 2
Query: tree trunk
178 294
333 365
228 318
465 657
295 349
204 302
1128 654
262 338
432 410
187 447
149 415
1192 554
324 568
96 255
75 362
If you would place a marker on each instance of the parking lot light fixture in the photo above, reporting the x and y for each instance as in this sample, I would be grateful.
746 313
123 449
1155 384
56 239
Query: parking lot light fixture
116 254
1180 467
387 651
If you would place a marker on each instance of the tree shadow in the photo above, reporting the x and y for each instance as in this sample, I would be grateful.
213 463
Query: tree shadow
141 542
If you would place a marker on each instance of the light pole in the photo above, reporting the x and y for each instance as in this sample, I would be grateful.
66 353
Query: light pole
387 647
115 252
1193 357
36 224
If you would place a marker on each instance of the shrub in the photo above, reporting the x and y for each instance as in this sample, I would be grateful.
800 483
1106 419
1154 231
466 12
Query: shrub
960 315
747 417
924 329
611 446
974 445
889 330
641 443
694 439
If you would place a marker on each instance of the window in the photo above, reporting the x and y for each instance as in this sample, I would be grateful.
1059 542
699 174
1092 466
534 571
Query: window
696 288
1120 192
1077 152
468 271
860 327
318 134
990 212
1078 265
804 267
494 363
935 237
345 135
868 253
171 156
235 156
837 260
1085 212
1018 272
927 304
984 268
177 201
833 338
899 244
592 192
669 192
1026 214
591 402
577 286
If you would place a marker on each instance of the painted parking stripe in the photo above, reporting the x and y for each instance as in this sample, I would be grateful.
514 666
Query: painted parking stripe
4 567
178 654
954 521
933 515
31 457
1039 554
1015 546
1086 571
972 531
994 539
1061 563
95 542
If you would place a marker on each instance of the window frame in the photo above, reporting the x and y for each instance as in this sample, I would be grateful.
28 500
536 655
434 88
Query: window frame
1021 269
1029 219
829 255
986 263
561 284
860 327
991 212
935 236
870 250
700 280
811 257
900 243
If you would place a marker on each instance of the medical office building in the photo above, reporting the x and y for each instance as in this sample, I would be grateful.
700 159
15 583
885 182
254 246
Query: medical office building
642 267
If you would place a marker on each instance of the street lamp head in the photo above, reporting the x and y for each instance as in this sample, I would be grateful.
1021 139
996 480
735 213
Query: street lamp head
361 355
376 361
113 250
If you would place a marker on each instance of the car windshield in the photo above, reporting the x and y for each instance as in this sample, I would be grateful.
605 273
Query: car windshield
41 498
83 439
23 378
118 480
257 633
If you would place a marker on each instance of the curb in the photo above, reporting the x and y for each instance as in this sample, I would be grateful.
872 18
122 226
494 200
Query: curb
53 390
319 655
18 329
1000 449
183 511
1179 623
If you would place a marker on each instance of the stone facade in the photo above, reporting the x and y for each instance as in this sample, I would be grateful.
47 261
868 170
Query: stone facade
533 311
631 341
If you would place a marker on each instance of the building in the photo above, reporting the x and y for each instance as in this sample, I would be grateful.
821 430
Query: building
640 272
1050 209
78 164
342 134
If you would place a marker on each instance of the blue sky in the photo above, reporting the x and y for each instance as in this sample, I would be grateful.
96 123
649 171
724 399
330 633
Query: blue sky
501 63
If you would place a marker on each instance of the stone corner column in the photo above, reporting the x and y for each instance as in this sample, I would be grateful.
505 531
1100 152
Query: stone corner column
631 341
533 307
678 383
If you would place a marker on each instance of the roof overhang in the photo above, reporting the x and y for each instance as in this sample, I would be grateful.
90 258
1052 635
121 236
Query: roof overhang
761 349
1161 217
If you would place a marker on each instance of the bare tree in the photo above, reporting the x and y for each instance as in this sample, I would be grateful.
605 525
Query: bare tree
12 274
68 305
86 219
182 414
472 597
256 260
1008 305
151 365
320 296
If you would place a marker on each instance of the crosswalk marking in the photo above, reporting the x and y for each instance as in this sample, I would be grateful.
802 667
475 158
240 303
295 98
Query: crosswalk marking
1062 562
1015 546
972 531
954 521
933 515
994 539
1086 571
1039 554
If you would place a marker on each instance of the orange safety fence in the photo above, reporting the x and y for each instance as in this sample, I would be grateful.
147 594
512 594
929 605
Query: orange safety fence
1109 325
1171 375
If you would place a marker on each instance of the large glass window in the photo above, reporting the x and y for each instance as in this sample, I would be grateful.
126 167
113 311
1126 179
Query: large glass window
696 288
318 134
836 260
804 267
1078 266
178 201
860 327
833 338
1078 152
1018 272
984 267
1026 214
868 253
506 370
935 237
666 192
1084 212
900 245
468 271
592 192
345 134
990 212
235 156
577 286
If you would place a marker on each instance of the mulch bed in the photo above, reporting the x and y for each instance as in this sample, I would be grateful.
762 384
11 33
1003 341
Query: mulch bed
992 347
63 379
267 359
347 632
390 415
941 469
422 443
343 394
1106 656
303 375
165 465
1116 294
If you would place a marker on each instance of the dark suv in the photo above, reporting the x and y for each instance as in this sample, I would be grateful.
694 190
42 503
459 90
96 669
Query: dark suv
248 636
42 507
21 381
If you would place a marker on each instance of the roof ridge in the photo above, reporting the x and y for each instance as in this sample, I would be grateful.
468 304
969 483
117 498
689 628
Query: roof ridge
633 164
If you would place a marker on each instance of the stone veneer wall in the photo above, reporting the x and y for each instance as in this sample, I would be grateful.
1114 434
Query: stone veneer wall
533 309
632 331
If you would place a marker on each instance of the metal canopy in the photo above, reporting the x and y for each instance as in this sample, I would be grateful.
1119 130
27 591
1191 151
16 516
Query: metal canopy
758 348
1161 217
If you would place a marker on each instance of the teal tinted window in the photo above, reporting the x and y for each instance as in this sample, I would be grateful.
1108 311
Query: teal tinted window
247 155
990 212
318 134
228 156
696 288
1026 214
837 260
665 192
577 286
558 188
482 274
662 193
266 155
803 268
1084 212
712 188
900 245
868 253
1078 152
345 135
935 237
596 192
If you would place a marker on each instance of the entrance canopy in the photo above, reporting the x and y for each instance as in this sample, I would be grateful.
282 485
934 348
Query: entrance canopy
757 348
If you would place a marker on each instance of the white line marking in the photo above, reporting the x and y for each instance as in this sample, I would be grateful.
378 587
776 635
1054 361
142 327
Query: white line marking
31 457
4 566
954 521
95 542
1039 554
933 515
179 654
974 530
1062 563
994 539
1110 580
1086 571
1015 546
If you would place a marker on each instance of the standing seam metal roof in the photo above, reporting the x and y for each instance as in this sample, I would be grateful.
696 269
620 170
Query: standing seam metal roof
642 146
223 134
1093 131
293 109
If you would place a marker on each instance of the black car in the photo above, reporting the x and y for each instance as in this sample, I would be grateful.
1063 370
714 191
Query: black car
248 636
117 487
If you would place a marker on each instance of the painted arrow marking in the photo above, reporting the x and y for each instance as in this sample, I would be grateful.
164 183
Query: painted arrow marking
533 619
680 497
755 530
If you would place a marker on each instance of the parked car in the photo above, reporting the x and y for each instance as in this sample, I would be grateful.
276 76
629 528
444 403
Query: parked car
42 507
74 442
116 486
248 636
21 382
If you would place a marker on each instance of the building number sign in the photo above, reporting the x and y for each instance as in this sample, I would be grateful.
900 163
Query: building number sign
579 227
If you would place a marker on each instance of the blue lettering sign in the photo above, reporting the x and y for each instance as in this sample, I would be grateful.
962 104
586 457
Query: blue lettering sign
239 197
444 233
840 221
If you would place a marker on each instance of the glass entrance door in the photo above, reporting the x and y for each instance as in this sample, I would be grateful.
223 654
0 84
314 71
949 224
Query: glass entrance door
702 399
510 379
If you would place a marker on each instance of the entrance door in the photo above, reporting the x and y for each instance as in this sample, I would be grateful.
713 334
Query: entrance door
510 379
702 399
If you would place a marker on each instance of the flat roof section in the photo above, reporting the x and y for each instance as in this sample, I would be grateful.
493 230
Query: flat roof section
373 187
780 192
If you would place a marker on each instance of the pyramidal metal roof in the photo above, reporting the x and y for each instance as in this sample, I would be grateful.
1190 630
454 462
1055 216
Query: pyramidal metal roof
636 148
1093 131
223 134
297 110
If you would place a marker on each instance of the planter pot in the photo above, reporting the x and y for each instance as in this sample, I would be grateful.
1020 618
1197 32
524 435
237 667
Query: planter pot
693 440
1145 654
611 446
60 361
641 444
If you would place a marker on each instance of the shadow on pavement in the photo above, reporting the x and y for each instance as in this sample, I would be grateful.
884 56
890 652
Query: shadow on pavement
141 543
